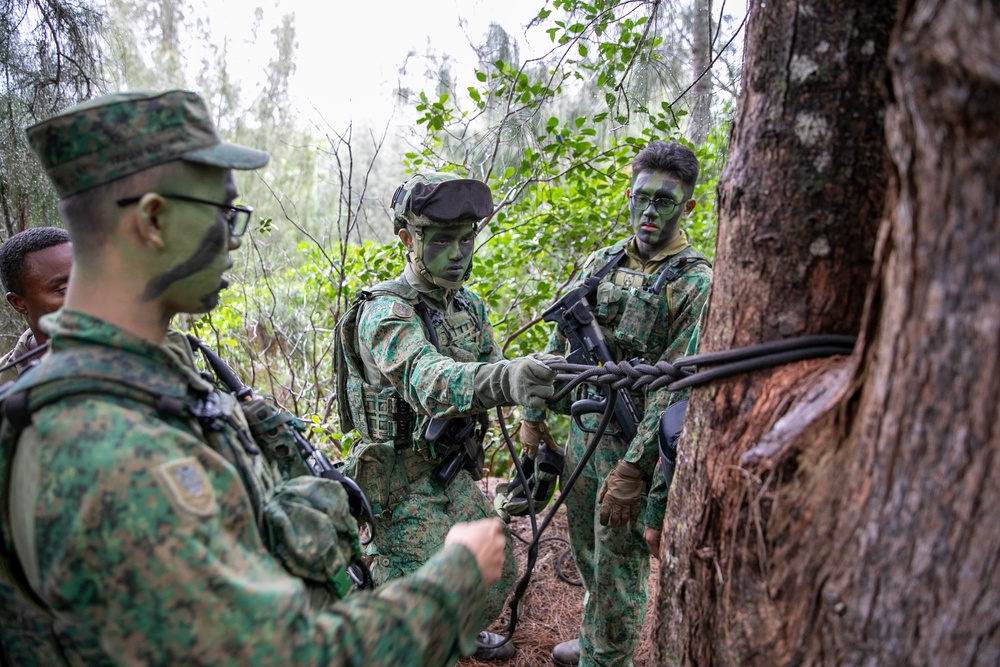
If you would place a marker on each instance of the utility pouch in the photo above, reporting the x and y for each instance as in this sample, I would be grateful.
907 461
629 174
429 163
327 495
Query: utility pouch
380 473
607 300
270 428
311 530
636 324
459 443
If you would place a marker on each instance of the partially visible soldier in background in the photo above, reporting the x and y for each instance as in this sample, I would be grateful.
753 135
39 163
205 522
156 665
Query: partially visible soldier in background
420 370
139 517
34 269
614 523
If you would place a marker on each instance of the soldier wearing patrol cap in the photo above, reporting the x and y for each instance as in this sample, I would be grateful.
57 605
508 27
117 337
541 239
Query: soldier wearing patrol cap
141 523
419 370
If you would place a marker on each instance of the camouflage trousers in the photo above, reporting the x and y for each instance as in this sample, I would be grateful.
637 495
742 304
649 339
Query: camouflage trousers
417 526
613 562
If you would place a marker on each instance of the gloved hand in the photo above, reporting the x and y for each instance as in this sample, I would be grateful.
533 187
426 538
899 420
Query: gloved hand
522 381
621 494
530 434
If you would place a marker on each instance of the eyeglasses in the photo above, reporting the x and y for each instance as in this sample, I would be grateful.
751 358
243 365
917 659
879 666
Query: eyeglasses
663 205
237 217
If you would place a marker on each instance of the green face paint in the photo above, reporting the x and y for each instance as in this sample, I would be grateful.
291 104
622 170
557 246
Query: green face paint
655 224
195 280
448 250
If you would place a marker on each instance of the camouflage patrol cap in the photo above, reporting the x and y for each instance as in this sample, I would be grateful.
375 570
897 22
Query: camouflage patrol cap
110 137
437 198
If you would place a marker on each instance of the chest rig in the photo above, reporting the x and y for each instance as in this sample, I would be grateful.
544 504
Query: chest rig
370 404
636 310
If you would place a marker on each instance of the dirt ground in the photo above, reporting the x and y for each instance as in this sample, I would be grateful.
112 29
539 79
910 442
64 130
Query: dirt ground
551 608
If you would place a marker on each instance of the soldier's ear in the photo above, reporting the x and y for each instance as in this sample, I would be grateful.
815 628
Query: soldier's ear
150 210
406 237
17 302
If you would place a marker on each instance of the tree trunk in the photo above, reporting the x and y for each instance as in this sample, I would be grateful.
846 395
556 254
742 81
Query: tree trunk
838 512
823 511
700 27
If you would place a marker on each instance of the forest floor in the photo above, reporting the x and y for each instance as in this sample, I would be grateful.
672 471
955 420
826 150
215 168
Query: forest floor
551 608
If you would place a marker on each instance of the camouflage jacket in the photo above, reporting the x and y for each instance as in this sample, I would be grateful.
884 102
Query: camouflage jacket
663 328
22 347
398 357
148 547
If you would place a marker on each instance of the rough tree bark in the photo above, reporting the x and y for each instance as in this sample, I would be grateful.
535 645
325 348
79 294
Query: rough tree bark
844 512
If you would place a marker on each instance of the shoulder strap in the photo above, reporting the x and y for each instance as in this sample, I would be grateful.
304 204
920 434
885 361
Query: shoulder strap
676 267
346 357
29 394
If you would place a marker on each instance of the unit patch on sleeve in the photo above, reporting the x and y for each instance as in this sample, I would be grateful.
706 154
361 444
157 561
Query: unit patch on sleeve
401 310
187 487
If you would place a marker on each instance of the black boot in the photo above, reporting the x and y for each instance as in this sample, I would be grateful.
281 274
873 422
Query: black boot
491 649
567 654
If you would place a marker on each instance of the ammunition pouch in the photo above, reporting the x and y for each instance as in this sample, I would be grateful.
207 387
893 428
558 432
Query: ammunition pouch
387 415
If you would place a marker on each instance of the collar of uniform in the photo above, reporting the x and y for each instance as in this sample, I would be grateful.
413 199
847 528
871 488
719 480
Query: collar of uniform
69 328
635 261
439 296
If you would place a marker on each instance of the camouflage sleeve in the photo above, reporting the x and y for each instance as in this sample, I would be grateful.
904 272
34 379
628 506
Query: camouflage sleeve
491 351
433 384
656 501
690 296
147 540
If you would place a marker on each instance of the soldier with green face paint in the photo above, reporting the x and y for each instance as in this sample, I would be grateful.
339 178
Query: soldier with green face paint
140 522
420 348
652 292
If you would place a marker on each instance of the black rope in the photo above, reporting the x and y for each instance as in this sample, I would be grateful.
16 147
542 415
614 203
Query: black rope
514 603
637 375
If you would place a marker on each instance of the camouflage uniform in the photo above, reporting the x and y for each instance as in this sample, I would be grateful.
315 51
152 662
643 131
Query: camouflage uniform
614 562
22 347
128 586
393 463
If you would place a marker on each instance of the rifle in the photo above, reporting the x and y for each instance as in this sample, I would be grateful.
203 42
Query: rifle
314 459
573 314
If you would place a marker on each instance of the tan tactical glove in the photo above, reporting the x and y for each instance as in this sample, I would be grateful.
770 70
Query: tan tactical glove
621 495
522 381
531 434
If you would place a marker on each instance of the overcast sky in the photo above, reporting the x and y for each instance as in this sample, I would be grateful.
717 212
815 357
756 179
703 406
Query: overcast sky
349 52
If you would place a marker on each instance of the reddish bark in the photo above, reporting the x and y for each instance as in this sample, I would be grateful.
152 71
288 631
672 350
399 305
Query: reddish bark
844 511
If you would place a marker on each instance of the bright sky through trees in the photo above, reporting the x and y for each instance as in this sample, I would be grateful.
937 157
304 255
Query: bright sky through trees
349 53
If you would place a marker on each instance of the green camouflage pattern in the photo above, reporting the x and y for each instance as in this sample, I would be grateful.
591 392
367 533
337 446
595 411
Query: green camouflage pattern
614 562
113 136
416 513
21 347
151 545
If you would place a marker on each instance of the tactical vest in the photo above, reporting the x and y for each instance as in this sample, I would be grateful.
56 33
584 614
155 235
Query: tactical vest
214 417
636 317
366 401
